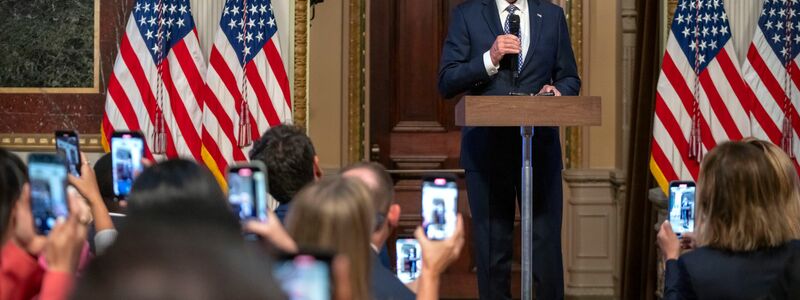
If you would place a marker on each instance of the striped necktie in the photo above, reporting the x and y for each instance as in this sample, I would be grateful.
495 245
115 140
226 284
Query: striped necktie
511 9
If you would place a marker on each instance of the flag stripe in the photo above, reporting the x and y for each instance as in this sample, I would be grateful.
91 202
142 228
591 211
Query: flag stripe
673 76
194 78
771 83
661 160
675 133
184 122
718 105
261 94
276 64
224 124
734 77
213 150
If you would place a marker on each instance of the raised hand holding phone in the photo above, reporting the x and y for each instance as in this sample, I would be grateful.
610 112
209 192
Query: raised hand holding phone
681 206
247 191
439 206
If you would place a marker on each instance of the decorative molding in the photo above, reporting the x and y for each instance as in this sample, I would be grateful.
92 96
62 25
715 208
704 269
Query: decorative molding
419 162
418 126
591 231
356 85
94 89
300 63
45 142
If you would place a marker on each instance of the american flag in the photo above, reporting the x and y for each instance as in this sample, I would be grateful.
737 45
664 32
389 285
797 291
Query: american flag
701 98
771 70
247 90
158 80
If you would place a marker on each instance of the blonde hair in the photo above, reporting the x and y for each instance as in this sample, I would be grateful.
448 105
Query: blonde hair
336 214
747 197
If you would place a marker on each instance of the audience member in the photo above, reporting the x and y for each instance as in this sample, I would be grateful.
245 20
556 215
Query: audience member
337 214
385 285
291 163
747 224
178 190
21 276
179 259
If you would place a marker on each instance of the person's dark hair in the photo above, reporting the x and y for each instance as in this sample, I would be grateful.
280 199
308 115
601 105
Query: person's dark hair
289 156
105 181
179 189
13 174
178 261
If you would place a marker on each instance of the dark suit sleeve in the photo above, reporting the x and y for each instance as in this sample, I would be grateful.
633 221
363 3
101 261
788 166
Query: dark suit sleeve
458 72
676 281
565 72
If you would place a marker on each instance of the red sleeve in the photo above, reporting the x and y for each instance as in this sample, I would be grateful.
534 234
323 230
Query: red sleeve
20 274
56 286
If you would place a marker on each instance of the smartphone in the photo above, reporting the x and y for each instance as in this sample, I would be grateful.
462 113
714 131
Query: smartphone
67 147
681 206
247 190
304 276
439 206
48 183
127 150
409 260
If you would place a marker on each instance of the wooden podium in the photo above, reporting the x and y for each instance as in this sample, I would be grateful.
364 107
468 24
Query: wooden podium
527 112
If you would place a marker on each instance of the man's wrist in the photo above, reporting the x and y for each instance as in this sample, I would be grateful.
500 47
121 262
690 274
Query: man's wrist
488 63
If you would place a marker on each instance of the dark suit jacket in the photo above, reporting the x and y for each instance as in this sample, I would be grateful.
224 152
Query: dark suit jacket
474 26
707 273
385 285
282 211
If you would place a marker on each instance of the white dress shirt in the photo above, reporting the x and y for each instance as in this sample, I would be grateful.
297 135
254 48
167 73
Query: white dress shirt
524 31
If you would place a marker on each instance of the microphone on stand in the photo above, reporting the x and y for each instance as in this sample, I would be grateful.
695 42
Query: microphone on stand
513 28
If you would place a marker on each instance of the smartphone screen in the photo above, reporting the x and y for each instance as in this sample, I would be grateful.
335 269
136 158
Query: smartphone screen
48 183
409 260
247 191
68 147
127 149
681 206
439 196
304 277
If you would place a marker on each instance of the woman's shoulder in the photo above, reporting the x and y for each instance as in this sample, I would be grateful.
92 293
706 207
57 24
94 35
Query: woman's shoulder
705 252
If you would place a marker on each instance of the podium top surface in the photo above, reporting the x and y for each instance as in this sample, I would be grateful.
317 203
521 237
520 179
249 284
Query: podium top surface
501 111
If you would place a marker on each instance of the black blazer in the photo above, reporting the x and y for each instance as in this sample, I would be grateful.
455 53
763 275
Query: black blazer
385 285
474 26
707 273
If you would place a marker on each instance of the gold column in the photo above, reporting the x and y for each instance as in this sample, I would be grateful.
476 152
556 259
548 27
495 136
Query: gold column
356 84
300 66
573 135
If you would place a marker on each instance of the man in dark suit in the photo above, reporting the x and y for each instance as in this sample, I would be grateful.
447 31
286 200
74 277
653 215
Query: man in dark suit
477 60
384 284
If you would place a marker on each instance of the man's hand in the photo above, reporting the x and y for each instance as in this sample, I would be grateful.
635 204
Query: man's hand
668 242
65 242
550 89
504 44
87 183
273 232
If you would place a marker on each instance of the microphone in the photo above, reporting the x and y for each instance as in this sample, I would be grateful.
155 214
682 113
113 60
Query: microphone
513 28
